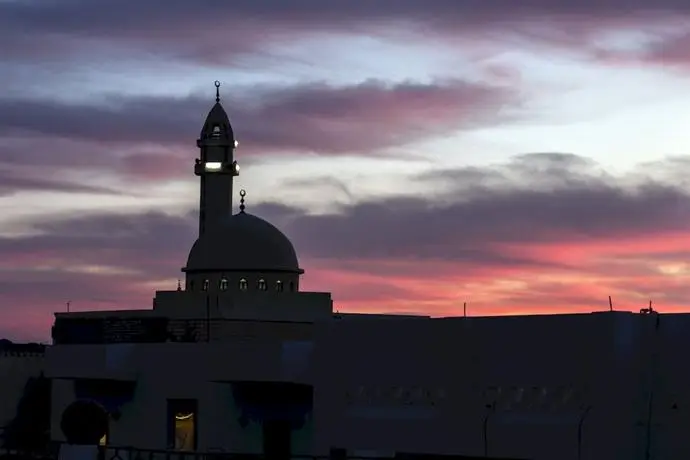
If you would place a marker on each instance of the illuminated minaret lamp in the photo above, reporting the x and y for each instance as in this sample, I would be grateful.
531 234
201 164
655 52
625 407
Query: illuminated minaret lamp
216 167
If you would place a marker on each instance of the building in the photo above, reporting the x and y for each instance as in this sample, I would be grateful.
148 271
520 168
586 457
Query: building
241 360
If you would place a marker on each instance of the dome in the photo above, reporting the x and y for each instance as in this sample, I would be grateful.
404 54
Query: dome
243 243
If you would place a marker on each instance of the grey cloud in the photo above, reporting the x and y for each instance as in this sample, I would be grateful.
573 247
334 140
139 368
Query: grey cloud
312 117
215 31
544 206
470 229
12 182
84 18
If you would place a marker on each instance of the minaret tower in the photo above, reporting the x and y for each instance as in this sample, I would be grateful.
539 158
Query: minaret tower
216 167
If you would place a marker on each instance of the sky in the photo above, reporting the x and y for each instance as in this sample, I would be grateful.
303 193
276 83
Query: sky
522 157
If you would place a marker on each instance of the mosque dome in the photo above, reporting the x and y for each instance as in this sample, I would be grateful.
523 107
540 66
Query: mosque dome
243 243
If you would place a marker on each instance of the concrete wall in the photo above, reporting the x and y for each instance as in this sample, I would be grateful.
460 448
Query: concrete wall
269 305
184 371
143 420
535 379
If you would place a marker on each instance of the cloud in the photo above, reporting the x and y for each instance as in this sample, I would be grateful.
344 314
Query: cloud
12 182
214 32
563 237
312 117
534 199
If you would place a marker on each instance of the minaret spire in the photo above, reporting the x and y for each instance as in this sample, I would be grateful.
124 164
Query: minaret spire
216 166
243 193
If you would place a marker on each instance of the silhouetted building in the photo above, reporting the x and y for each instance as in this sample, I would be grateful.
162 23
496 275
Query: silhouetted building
240 359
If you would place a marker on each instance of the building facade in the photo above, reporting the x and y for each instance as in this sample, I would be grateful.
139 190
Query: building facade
239 359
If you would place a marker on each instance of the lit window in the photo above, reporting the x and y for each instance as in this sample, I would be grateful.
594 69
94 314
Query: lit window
216 131
243 284
224 284
213 166
206 284
182 427
279 286
262 284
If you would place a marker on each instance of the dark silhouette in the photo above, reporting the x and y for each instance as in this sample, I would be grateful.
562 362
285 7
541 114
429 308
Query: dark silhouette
29 431
84 422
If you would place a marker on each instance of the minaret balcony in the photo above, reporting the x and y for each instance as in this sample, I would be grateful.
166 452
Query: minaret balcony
219 141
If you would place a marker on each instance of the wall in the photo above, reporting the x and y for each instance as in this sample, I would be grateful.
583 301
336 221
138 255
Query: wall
534 380
269 305
199 371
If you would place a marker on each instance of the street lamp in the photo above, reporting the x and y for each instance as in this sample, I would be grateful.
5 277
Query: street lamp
583 416
491 409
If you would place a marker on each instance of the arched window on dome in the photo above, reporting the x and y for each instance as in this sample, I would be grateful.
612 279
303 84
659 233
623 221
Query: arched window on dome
292 286
262 285
216 132
243 284
207 283
279 286
223 284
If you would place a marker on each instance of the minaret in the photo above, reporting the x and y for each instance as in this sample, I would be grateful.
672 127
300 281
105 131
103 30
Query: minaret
216 167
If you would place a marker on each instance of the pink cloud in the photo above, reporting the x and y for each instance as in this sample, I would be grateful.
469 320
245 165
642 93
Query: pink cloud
502 250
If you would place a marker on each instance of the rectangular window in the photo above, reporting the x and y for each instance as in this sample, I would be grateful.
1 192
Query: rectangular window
182 424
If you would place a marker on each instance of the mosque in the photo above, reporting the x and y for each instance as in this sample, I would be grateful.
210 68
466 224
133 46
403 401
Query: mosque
238 359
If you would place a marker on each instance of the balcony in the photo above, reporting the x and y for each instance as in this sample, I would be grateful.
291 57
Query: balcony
111 348
114 330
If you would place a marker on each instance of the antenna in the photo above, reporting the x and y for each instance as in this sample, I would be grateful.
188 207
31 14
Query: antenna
464 309
648 310
610 304
69 302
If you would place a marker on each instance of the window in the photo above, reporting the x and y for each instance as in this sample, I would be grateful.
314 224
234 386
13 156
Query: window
206 284
182 424
213 166
224 284
292 286
279 286
243 284
216 131
262 284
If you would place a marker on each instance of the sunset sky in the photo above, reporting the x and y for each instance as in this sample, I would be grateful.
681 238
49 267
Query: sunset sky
521 156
